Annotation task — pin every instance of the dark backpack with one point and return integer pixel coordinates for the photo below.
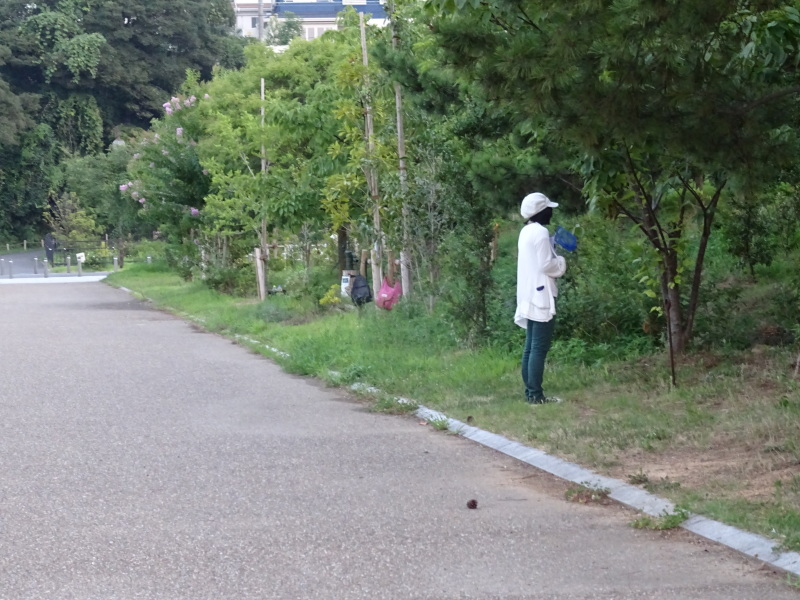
(360, 292)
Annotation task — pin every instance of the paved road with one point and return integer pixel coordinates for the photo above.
(141, 458)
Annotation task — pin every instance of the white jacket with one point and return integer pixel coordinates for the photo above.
(537, 267)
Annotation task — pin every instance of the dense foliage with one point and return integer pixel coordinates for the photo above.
(74, 73)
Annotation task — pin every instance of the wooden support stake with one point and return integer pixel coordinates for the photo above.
(390, 270)
(363, 267)
(376, 273)
(262, 284)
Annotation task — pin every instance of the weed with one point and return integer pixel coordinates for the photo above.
(439, 424)
(793, 580)
(393, 406)
(275, 310)
(584, 493)
(348, 376)
(662, 485)
(639, 478)
(667, 520)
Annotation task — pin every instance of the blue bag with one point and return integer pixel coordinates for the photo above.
(566, 239)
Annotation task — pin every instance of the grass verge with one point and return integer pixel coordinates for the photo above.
(724, 444)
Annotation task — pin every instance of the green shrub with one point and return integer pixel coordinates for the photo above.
(600, 299)
(311, 284)
(276, 309)
(183, 258)
(139, 251)
(235, 280)
(97, 259)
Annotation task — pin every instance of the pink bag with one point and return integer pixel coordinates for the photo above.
(388, 296)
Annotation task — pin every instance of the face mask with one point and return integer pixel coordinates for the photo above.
(543, 217)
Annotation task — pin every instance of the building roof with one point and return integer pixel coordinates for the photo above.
(321, 10)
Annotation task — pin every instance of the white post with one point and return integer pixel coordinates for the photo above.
(69, 263)
(80, 268)
(149, 259)
(11, 269)
(262, 285)
(116, 264)
(2, 266)
(45, 269)
(35, 265)
(263, 149)
(25, 245)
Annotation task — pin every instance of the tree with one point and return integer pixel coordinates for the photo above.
(96, 179)
(28, 177)
(671, 106)
(88, 69)
(130, 55)
(281, 32)
(15, 116)
(69, 221)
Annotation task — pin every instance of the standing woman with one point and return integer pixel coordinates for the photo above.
(537, 268)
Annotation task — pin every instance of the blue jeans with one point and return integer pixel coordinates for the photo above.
(537, 344)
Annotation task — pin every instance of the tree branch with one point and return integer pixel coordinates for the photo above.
(647, 233)
(526, 19)
(770, 98)
(246, 164)
(694, 294)
(569, 183)
(646, 203)
(698, 198)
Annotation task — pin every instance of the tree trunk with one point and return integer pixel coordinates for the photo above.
(341, 248)
(121, 252)
(263, 239)
(671, 295)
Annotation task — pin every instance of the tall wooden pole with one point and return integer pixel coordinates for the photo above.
(405, 271)
(263, 236)
(370, 171)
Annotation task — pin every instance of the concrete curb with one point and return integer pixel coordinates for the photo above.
(54, 279)
(750, 544)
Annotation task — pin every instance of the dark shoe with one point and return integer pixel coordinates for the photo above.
(546, 400)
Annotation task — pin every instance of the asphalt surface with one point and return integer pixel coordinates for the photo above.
(142, 458)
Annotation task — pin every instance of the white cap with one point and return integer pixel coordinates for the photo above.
(535, 203)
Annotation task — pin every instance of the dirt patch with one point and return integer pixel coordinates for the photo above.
(745, 472)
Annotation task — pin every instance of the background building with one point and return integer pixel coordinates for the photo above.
(317, 16)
